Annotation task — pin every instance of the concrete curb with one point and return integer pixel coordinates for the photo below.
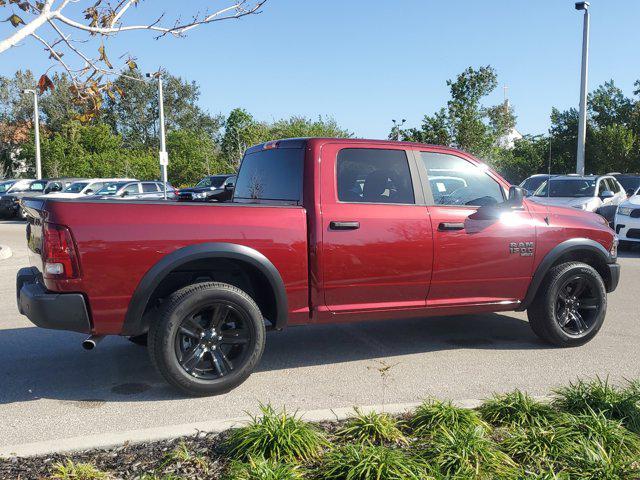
(108, 440)
(5, 252)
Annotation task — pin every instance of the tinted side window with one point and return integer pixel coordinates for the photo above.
(371, 175)
(132, 188)
(613, 185)
(455, 181)
(272, 175)
(149, 188)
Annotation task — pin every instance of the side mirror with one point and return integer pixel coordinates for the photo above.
(607, 194)
(229, 186)
(516, 196)
(125, 193)
(89, 192)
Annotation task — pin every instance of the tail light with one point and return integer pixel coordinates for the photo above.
(59, 253)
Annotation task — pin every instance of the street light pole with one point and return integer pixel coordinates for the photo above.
(582, 121)
(164, 156)
(36, 125)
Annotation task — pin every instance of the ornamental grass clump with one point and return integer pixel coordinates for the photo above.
(371, 428)
(599, 396)
(538, 447)
(371, 462)
(516, 409)
(591, 461)
(432, 415)
(466, 453)
(276, 435)
(70, 470)
(263, 469)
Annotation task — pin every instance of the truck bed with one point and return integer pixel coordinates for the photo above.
(118, 242)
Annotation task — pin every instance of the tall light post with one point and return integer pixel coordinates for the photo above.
(164, 156)
(582, 122)
(36, 125)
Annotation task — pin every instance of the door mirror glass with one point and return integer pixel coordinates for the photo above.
(229, 186)
(88, 192)
(516, 196)
(606, 194)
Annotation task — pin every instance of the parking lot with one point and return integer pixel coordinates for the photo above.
(50, 388)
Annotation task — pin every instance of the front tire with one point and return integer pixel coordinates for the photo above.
(208, 338)
(570, 306)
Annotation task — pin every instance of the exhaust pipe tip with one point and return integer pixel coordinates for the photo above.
(91, 342)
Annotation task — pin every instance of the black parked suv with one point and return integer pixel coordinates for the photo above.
(214, 188)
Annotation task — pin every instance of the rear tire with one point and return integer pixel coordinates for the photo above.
(570, 306)
(208, 339)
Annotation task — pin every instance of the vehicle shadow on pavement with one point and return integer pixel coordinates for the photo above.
(37, 363)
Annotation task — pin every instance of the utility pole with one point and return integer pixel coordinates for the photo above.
(164, 156)
(36, 125)
(582, 122)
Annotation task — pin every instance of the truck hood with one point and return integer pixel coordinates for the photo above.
(585, 203)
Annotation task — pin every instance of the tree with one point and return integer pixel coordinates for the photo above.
(464, 122)
(73, 44)
(193, 155)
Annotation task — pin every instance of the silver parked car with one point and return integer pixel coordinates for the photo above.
(596, 193)
(150, 190)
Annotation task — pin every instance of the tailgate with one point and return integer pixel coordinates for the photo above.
(35, 213)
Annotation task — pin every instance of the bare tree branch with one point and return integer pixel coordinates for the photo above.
(103, 20)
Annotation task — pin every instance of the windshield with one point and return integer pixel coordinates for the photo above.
(26, 186)
(216, 181)
(630, 184)
(76, 187)
(111, 188)
(4, 186)
(531, 184)
(573, 188)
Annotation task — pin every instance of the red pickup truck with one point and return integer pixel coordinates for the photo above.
(318, 231)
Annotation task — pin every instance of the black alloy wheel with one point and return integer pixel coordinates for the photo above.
(212, 341)
(578, 305)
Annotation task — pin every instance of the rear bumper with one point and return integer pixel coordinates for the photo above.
(614, 276)
(45, 309)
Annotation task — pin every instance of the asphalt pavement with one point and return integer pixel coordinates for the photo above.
(50, 388)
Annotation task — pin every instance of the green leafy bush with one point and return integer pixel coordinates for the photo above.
(434, 414)
(596, 428)
(70, 470)
(538, 446)
(592, 462)
(516, 409)
(467, 453)
(276, 435)
(599, 396)
(371, 462)
(261, 469)
(372, 428)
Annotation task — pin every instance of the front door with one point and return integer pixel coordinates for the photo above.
(476, 260)
(377, 248)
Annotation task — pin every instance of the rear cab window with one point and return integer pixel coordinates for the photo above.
(271, 176)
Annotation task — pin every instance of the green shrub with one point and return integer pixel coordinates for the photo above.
(372, 428)
(467, 453)
(261, 469)
(181, 454)
(600, 396)
(76, 471)
(596, 428)
(434, 414)
(591, 461)
(276, 435)
(371, 462)
(516, 409)
(539, 446)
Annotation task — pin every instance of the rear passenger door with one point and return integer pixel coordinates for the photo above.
(476, 261)
(377, 251)
(150, 191)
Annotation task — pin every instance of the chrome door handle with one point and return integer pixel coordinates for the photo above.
(447, 226)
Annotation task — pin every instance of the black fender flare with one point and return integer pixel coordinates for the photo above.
(135, 324)
(568, 246)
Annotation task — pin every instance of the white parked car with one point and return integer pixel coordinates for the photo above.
(89, 186)
(628, 219)
(595, 193)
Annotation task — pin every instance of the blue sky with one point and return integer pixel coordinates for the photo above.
(367, 62)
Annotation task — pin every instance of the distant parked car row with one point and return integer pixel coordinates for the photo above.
(212, 188)
(615, 196)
